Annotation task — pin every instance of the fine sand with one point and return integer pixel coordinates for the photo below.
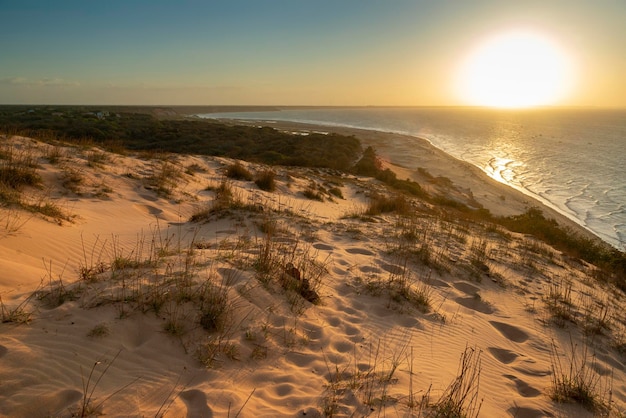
(116, 303)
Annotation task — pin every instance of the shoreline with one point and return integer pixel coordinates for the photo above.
(405, 154)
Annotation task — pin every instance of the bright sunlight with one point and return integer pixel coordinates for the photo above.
(515, 69)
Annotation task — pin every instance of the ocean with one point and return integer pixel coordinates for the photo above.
(572, 159)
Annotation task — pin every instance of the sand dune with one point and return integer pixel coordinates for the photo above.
(122, 306)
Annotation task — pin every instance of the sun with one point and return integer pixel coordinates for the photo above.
(514, 69)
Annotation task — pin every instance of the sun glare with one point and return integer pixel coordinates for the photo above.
(515, 69)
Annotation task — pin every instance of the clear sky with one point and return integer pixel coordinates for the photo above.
(297, 52)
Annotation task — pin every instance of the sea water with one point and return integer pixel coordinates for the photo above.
(572, 159)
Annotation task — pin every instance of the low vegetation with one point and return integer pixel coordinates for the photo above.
(237, 171)
(266, 180)
(202, 293)
(142, 131)
(576, 381)
(370, 165)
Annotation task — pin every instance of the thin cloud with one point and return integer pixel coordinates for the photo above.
(42, 82)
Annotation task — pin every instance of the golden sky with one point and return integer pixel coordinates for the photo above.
(321, 52)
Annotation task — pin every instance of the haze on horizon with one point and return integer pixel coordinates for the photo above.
(327, 53)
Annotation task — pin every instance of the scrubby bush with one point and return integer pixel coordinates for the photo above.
(237, 171)
(533, 222)
(386, 204)
(138, 129)
(266, 180)
(371, 165)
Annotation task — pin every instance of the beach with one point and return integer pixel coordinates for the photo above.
(531, 150)
(405, 155)
(118, 303)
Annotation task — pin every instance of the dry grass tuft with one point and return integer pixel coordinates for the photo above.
(577, 381)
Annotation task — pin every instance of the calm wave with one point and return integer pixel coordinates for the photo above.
(572, 159)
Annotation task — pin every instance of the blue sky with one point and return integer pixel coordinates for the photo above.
(287, 52)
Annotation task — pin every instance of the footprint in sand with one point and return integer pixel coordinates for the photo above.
(339, 271)
(615, 364)
(62, 399)
(503, 355)
(3, 351)
(149, 197)
(467, 288)
(323, 247)
(527, 412)
(369, 269)
(334, 321)
(511, 332)
(476, 304)
(343, 346)
(196, 404)
(523, 388)
(409, 322)
(393, 269)
(361, 251)
(532, 371)
(148, 209)
(351, 331)
(299, 359)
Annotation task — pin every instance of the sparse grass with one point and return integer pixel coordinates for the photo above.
(11, 221)
(208, 353)
(259, 352)
(558, 300)
(313, 194)
(56, 293)
(49, 208)
(379, 204)
(18, 171)
(576, 381)
(266, 180)
(88, 406)
(237, 171)
(99, 331)
(227, 200)
(18, 168)
(610, 261)
(165, 178)
(16, 315)
(402, 287)
(215, 307)
(55, 154)
(461, 398)
(72, 179)
(294, 267)
(96, 158)
(597, 314)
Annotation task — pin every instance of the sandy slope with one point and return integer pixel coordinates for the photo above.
(369, 348)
